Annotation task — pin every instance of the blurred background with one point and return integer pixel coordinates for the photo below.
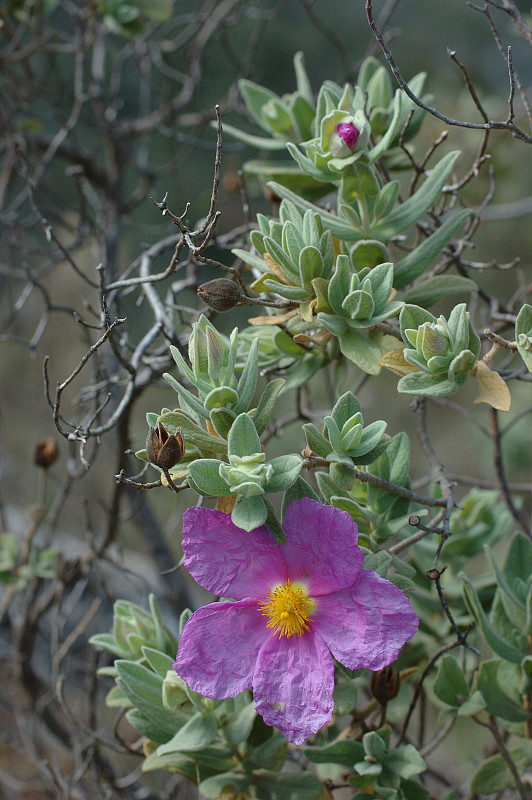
(106, 107)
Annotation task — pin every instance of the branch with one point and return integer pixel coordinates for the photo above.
(508, 124)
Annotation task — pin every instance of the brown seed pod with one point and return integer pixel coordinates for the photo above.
(219, 294)
(45, 453)
(163, 449)
(385, 685)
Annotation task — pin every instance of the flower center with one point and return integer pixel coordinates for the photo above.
(288, 608)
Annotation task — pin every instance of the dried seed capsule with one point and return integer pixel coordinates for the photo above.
(220, 294)
(163, 449)
(45, 453)
(385, 685)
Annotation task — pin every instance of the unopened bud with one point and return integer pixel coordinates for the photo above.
(220, 294)
(385, 685)
(163, 449)
(349, 133)
(45, 453)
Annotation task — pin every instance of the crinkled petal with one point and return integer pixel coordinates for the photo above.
(366, 625)
(219, 646)
(321, 546)
(227, 560)
(293, 685)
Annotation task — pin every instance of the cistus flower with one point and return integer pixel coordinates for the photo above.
(298, 605)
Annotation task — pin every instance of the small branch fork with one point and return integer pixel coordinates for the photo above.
(487, 125)
(205, 232)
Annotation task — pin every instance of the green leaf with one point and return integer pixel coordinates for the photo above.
(200, 766)
(286, 469)
(386, 200)
(380, 148)
(230, 781)
(413, 209)
(494, 775)
(205, 479)
(186, 396)
(473, 705)
(379, 562)
(497, 702)
(220, 397)
(450, 685)
(116, 698)
(239, 725)
(327, 487)
(418, 260)
(192, 433)
(282, 259)
(144, 689)
(368, 253)
(316, 440)
(405, 761)
(269, 754)
(343, 752)
(255, 97)
(342, 474)
(259, 142)
(361, 351)
(495, 641)
(273, 524)
(140, 681)
(523, 332)
(427, 292)
(371, 436)
(159, 662)
(299, 489)
(261, 415)
(248, 380)
(303, 84)
(342, 229)
(249, 512)
(437, 385)
(243, 439)
(198, 733)
(287, 786)
(514, 606)
(310, 266)
(147, 726)
(108, 642)
(413, 790)
(222, 420)
(518, 562)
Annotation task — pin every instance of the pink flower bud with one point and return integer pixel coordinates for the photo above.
(349, 133)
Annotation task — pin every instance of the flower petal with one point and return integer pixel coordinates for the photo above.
(321, 546)
(293, 685)
(227, 560)
(366, 625)
(219, 646)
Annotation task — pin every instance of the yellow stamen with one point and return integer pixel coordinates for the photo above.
(288, 607)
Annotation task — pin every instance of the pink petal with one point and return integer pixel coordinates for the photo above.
(227, 560)
(293, 685)
(321, 546)
(366, 625)
(219, 647)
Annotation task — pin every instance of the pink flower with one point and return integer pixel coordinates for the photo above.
(298, 605)
(349, 133)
